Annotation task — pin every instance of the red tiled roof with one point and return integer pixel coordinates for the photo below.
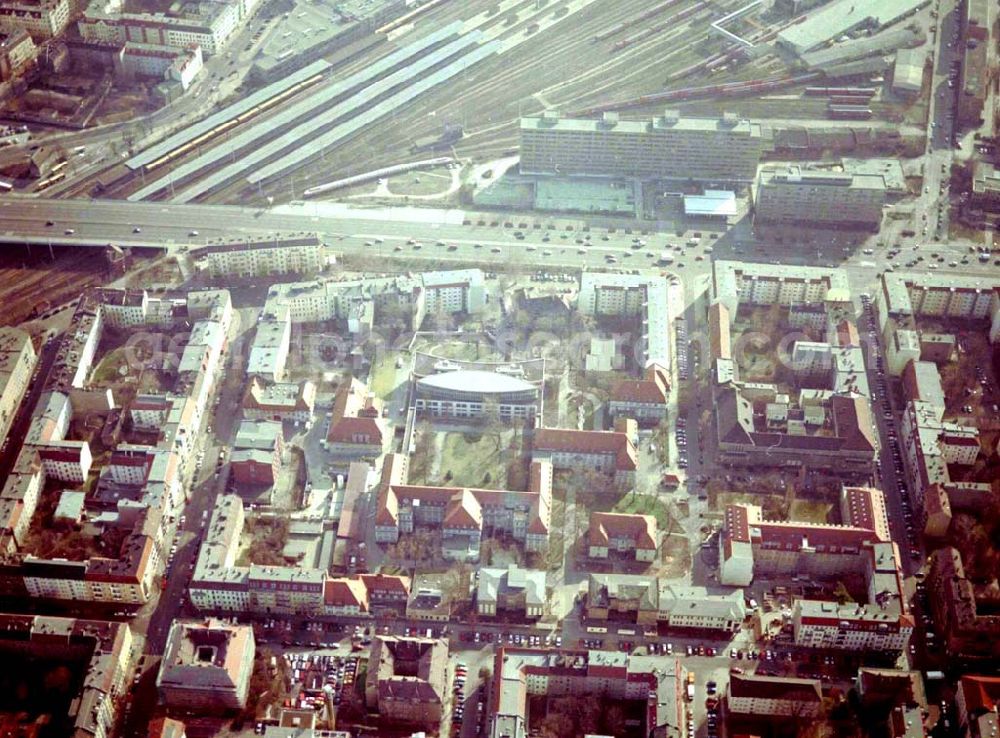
(606, 526)
(792, 535)
(866, 509)
(982, 693)
(589, 442)
(847, 334)
(463, 512)
(853, 422)
(355, 414)
(720, 342)
(345, 593)
(737, 524)
(388, 583)
(651, 390)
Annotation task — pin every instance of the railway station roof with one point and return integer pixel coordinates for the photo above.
(229, 112)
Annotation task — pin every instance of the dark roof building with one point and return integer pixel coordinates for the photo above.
(407, 679)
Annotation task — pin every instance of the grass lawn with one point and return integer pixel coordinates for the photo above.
(810, 511)
(675, 557)
(470, 458)
(108, 373)
(385, 378)
(108, 370)
(645, 505)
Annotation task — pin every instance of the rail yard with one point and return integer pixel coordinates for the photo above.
(584, 57)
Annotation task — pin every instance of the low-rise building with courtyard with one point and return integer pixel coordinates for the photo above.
(206, 666)
(406, 681)
(513, 591)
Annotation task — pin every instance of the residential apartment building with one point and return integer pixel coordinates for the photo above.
(748, 542)
(969, 630)
(219, 585)
(645, 400)
(606, 676)
(861, 545)
(513, 590)
(407, 680)
(622, 533)
(17, 362)
(646, 600)
(609, 452)
(67, 461)
(771, 696)
(461, 513)
(671, 146)
(361, 300)
(19, 499)
(151, 61)
(270, 346)
(279, 401)
(43, 19)
(206, 666)
(792, 195)
(881, 624)
(127, 579)
(978, 703)
(149, 412)
(626, 295)
(211, 31)
(17, 54)
(903, 296)
(263, 257)
(930, 445)
(738, 283)
(459, 291)
(105, 647)
(138, 485)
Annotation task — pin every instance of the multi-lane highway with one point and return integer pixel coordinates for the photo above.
(438, 237)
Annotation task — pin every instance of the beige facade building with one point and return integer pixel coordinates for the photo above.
(43, 19)
(278, 255)
(17, 362)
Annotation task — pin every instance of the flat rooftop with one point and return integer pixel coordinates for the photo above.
(842, 16)
(625, 127)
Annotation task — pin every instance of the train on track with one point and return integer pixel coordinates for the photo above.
(253, 112)
(726, 89)
(862, 92)
(849, 112)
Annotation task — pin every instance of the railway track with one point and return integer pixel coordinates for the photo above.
(564, 70)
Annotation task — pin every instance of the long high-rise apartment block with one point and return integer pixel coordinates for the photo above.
(670, 146)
